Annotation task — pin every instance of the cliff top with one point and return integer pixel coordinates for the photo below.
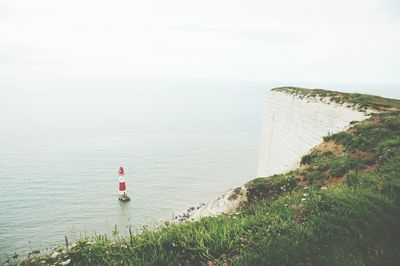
(361, 102)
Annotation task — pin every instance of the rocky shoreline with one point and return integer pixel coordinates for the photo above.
(226, 203)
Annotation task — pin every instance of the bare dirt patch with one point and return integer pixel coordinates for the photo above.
(361, 154)
(370, 168)
(376, 118)
(330, 146)
(332, 181)
(302, 182)
(351, 130)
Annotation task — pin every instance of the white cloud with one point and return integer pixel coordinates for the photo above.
(342, 41)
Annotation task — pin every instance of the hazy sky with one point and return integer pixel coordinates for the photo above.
(321, 40)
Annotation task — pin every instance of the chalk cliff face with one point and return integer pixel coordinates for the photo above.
(293, 124)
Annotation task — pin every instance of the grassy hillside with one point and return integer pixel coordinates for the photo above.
(341, 207)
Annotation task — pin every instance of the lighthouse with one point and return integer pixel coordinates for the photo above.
(123, 196)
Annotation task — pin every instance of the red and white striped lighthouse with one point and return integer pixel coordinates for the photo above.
(123, 196)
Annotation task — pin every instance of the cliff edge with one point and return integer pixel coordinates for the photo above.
(294, 121)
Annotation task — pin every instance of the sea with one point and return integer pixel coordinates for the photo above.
(181, 142)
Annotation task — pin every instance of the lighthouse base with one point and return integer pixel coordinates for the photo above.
(124, 197)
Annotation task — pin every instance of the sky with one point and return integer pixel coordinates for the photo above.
(341, 41)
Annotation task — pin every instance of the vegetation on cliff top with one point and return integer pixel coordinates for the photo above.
(359, 101)
(341, 207)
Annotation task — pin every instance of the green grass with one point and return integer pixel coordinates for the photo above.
(284, 222)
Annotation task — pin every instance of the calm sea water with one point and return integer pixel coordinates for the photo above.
(61, 150)
(61, 144)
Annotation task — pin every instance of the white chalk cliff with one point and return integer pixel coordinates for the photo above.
(291, 126)
(294, 124)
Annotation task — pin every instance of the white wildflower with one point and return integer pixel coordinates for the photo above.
(68, 261)
(55, 254)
